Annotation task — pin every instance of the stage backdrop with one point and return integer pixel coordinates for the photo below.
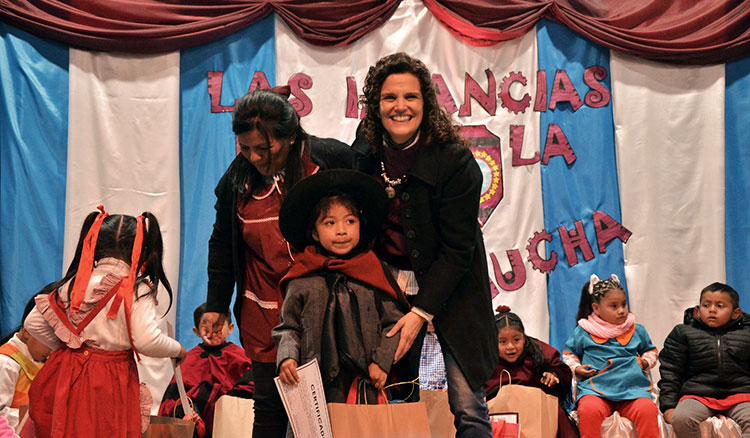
(593, 162)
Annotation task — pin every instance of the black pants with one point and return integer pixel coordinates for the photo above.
(270, 416)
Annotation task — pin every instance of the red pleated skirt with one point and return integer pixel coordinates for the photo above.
(86, 393)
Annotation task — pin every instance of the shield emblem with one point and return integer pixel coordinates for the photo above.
(486, 149)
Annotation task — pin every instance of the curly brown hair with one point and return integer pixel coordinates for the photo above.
(436, 124)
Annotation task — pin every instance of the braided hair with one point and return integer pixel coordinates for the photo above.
(505, 318)
(593, 291)
(116, 238)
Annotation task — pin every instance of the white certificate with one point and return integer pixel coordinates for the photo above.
(305, 403)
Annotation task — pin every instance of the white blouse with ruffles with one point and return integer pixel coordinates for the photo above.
(103, 333)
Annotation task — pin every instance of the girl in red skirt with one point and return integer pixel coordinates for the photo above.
(97, 317)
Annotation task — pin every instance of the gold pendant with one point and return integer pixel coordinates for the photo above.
(390, 192)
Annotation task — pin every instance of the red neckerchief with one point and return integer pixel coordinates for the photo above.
(364, 267)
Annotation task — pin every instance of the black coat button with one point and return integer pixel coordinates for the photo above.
(407, 213)
(414, 254)
(410, 234)
(405, 196)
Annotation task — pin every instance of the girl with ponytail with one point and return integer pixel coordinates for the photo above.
(98, 318)
(530, 362)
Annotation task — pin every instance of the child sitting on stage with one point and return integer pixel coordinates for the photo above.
(213, 368)
(21, 357)
(530, 362)
(610, 354)
(339, 302)
(705, 364)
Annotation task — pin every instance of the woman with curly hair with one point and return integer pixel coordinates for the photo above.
(431, 239)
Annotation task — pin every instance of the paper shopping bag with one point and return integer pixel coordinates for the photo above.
(438, 413)
(169, 427)
(379, 421)
(232, 414)
(537, 410)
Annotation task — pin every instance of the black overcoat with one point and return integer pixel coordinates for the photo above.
(438, 212)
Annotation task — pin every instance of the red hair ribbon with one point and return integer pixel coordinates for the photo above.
(86, 264)
(127, 288)
(283, 90)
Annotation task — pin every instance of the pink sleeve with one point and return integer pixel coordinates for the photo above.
(5, 430)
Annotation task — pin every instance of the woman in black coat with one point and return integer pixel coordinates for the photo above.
(432, 239)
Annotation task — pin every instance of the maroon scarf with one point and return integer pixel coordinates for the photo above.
(364, 267)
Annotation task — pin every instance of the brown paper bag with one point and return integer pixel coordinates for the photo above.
(379, 421)
(169, 427)
(438, 413)
(537, 410)
(231, 415)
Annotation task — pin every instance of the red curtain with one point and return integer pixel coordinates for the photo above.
(679, 31)
(155, 26)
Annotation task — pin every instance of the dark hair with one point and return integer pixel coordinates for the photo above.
(602, 288)
(530, 347)
(324, 205)
(436, 123)
(200, 310)
(734, 297)
(271, 115)
(116, 238)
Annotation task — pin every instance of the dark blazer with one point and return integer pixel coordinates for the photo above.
(704, 361)
(225, 255)
(439, 210)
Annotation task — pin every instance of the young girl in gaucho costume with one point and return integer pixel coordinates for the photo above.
(339, 302)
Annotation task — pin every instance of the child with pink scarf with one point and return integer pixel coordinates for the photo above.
(610, 354)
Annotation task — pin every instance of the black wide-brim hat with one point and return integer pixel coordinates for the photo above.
(296, 210)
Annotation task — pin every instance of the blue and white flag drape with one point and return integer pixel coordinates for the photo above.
(594, 162)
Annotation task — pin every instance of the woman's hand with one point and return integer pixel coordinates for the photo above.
(288, 372)
(409, 325)
(585, 371)
(209, 324)
(549, 379)
(377, 376)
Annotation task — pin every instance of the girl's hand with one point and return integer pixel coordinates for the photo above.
(642, 363)
(585, 371)
(668, 415)
(180, 356)
(409, 325)
(549, 379)
(377, 376)
(288, 372)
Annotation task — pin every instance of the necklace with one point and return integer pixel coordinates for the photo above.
(390, 190)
